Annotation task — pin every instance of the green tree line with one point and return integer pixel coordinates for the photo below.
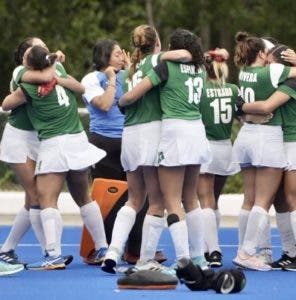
(73, 26)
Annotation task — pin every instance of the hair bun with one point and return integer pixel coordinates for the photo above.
(241, 36)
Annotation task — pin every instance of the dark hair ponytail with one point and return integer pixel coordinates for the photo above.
(40, 58)
(184, 39)
(247, 49)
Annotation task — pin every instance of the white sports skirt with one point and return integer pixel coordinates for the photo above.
(183, 142)
(67, 152)
(290, 150)
(260, 146)
(222, 159)
(17, 145)
(139, 145)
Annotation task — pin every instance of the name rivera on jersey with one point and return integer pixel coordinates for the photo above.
(249, 77)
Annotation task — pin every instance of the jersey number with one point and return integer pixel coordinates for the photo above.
(222, 110)
(63, 99)
(247, 94)
(194, 89)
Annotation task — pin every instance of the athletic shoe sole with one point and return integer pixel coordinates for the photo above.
(215, 264)
(48, 268)
(109, 266)
(148, 287)
(247, 267)
(3, 273)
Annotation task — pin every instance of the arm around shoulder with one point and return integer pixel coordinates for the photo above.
(14, 100)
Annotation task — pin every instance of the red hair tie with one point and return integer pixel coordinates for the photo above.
(217, 58)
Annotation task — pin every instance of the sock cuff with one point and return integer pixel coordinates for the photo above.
(88, 206)
(244, 212)
(208, 211)
(34, 211)
(194, 212)
(127, 210)
(49, 210)
(160, 221)
(259, 209)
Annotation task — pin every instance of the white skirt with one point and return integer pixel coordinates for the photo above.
(67, 152)
(260, 146)
(139, 145)
(17, 145)
(222, 159)
(290, 150)
(183, 142)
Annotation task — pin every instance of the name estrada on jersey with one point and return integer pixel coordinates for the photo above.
(219, 92)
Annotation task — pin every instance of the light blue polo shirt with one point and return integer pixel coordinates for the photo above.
(110, 123)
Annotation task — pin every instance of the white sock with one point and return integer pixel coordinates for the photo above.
(286, 233)
(195, 226)
(210, 230)
(265, 239)
(21, 225)
(52, 227)
(218, 218)
(257, 222)
(152, 229)
(36, 223)
(179, 234)
(92, 219)
(293, 222)
(242, 225)
(123, 224)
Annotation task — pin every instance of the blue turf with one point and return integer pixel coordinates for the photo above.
(80, 281)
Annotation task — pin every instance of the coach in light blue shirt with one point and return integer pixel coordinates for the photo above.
(102, 92)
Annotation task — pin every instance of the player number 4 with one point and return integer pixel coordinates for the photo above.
(63, 99)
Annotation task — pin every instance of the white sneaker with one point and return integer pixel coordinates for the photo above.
(153, 265)
(111, 259)
(7, 269)
(251, 262)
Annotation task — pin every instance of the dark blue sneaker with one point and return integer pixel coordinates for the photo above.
(96, 257)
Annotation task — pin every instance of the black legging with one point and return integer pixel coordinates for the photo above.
(110, 168)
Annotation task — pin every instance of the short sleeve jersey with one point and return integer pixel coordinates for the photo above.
(288, 110)
(258, 83)
(146, 109)
(106, 123)
(18, 117)
(181, 87)
(217, 107)
(55, 114)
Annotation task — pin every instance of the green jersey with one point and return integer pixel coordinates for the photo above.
(55, 114)
(181, 86)
(18, 117)
(288, 110)
(217, 107)
(258, 83)
(146, 109)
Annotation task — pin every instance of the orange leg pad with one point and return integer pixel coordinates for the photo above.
(106, 192)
